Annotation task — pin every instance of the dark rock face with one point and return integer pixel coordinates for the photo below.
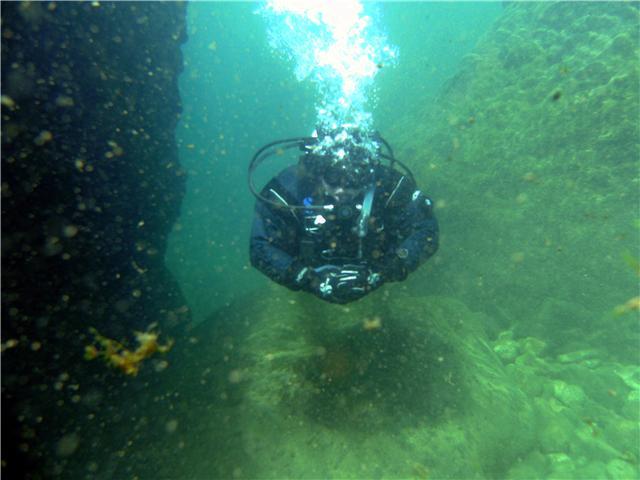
(91, 186)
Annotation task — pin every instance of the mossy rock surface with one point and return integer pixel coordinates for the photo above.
(420, 391)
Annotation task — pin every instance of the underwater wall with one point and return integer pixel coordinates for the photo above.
(531, 153)
(91, 186)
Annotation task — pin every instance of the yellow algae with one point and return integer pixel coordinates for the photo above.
(118, 356)
(372, 323)
(629, 306)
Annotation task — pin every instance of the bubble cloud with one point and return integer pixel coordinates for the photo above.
(340, 49)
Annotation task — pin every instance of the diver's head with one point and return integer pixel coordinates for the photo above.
(343, 158)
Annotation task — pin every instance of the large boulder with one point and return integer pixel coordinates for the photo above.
(415, 375)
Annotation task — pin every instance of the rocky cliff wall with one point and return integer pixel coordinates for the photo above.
(531, 153)
(91, 186)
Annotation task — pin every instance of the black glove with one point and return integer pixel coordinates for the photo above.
(340, 284)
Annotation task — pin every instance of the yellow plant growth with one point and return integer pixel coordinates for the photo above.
(631, 305)
(120, 357)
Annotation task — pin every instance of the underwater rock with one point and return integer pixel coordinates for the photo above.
(555, 433)
(631, 408)
(578, 356)
(618, 468)
(630, 374)
(523, 350)
(581, 148)
(533, 345)
(91, 186)
(570, 395)
(428, 373)
(506, 348)
(561, 465)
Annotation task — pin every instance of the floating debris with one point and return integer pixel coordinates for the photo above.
(43, 137)
(120, 357)
(11, 343)
(64, 101)
(67, 445)
(116, 150)
(7, 101)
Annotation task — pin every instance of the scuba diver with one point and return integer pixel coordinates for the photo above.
(339, 223)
